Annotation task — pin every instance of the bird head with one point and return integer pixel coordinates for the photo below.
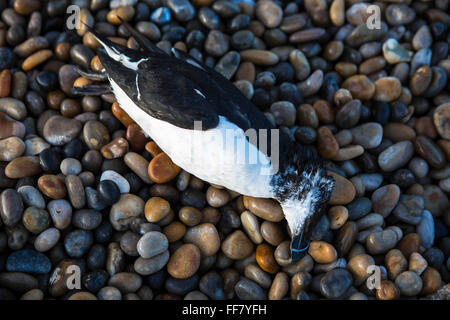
(303, 189)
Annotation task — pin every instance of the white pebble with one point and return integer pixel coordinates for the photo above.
(119, 180)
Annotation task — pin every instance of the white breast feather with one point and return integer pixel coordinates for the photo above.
(201, 154)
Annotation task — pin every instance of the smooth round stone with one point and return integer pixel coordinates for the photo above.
(125, 210)
(109, 293)
(237, 246)
(322, 252)
(10, 127)
(269, 13)
(279, 287)
(216, 43)
(174, 231)
(126, 282)
(33, 295)
(410, 209)
(431, 152)
(70, 166)
(337, 215)
(368, 135)
(35, 145)
(440, 119)
(259, 57)
(409, 283)
(344, 191)
(139, 165)
(47, 240)
(255, 273)
(32, 197)
(360, 87)
(50, 160)
(417, 263)
(211, 284)
(195, 295)
(156, 209)
(358, 266)
(60, 212)
(108, 192)
(419, 167)
(205, 237)
(190, 216)
(265, 258)
(52, 186)
(250, 224)
(78, 242)
(86, 219)
(387, 291)
(395, 263)
(152, 265)
(387, 89)
(349, 114)
(75, 189)
(425, 229)
(151, 244)
(128, 243)
(11, 207)
(95, 134)
(181, 286)
(115, 149)
(22, 167)
(431, 279)
(184, 262)
(435, 200)
(396, 156)
(246, 289)
(408, 244)
(380, 242)
(28, 261)
(398, 132)
(119, 180)
(35, 220)
(11, 148)
(272, 233)
(334, 283)
(217, 197)
(60, 130)
(349, 152)
(327, 145)
(385, 199)
(95, 280)
(266, 209)
(17, 281)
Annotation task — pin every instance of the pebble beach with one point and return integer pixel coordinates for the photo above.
(83, 191)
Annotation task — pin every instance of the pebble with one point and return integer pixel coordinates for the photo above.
(410, 209)
(360, 87)
(60, 130)
(35, 220)
(368, 135)
(269, 13)
(125, 210)
(47, 240)
(117, 148)
(251, 226)
(95, 134)
(327, 145)
(52, 186)
(22, 167)
(417, 263)
(394, 52)
(387, 89)
(431, 280)
(396, 156)
(439, 119)
(359, 267)
(152, 265)
(184, 262)
(266, 209)
(259, 57)
(237, 246)
(11, 207)
(409, 244)
(60, 212)
(265, 258)
(119, 180)
(28, 261)
(151, 244)
(249, 290)
(344, 191)
(205, 237)
(387, 291)
(31, 196)
(322, 252)
(385, 199)
(139, 165)
(409, 283)
(334, 283)
(425, 229)
(381, 242)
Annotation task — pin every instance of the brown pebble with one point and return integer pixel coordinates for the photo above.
(115, 149)
(22, 167)
(136, 137)
(279, 287)
(408, 244)
(326, 143)
(360, 87)
(267, 209)
(156, 209)
(265, 258)
(432, 281)
(5, 83)
(36, 59)
(120, 114)
(52, 186)
(161, 169)
(344, 191)
(237, 246)
(387, 291)
(322, 252)
(184, 262)
(174, 231)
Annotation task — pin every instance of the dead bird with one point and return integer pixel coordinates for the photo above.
(188, 108)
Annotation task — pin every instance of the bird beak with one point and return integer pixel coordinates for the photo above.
(299, 246)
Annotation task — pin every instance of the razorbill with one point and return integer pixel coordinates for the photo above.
(210, 129)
